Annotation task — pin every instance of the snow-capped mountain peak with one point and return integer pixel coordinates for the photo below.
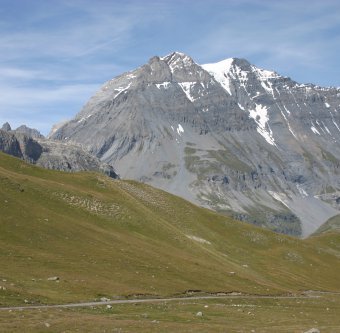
(178, 61)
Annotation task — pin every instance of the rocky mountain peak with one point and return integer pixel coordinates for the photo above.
(178, 60)
(30, 132)
(157, 71)
(6, 127)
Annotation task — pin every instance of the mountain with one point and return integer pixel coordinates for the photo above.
(229, 136)
(104, 237)
(49, 154)
(31, 132)
(6, 127)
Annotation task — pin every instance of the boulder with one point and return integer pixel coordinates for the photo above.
(53, 278)
(313, 330)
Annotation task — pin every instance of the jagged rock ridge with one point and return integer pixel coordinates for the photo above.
(48, 153)
(229, 136)
(31, 132)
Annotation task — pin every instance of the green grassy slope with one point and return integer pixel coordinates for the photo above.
(327, 238)
(114, 238)
(333, 224)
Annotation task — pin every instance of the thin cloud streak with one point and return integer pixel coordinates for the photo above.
(31, 96)
(38, 108)
(96, 29)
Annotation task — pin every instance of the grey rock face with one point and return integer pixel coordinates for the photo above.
(69, 157)
(9, 144)
(228, 136)
(30, 149)
(31, 132)
(6, 127)
(52, 155)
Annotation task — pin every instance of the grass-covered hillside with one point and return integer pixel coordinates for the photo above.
(332, 225)
(113, 238)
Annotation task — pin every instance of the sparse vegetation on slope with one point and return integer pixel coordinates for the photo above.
(236, 314)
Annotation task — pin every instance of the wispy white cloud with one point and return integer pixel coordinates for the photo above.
(12, 73)
(282, 34)
(84, 28)
(30, 96)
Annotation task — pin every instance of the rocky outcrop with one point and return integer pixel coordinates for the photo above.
(70, 157)
(6, 127)
(23, 130)
(30, 148)
(51, 155)
(228, 136)
(9, 144)
(30, 132)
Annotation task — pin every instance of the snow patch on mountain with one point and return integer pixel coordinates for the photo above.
(177, 61)
(315, 131)
(186, 87)
(301, 190)
(240, 106)
(121, 90)
(264, 74)
(336, 125)
(219, 71)
(164, 85)
(289, 127)
(261, 118)
(242, 76)
(180, 129)
(84, 118)
(281, 197)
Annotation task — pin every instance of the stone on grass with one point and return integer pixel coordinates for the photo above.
(313, 330)
(53, 278)
(104, 299)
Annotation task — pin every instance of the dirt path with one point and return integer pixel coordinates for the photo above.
(147, 300)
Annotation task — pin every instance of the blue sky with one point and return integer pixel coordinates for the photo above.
(54, 54)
